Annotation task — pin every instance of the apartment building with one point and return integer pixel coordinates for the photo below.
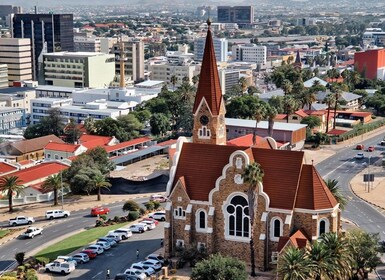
(11, 118)
(134, 58)
(220, 48)
(18, 98)
(3, 75)
(228, 78)
(373, 37)
(85, 43)
(79, 69)
(242, 15)
(250, 53)
(16, 53)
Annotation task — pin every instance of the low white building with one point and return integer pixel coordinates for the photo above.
(250, 53)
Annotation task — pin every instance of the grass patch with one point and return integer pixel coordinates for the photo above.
(75, 242)
(4, 232)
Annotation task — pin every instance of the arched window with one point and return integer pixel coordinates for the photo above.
(323, 226)
(237, 218)
(276, 229)
(201, 221)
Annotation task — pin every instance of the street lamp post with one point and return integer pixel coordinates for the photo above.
(369, 174)
(61, 183)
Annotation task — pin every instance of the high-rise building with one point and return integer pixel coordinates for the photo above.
(6, 10)
(134, 58)
(220, 47)
(16, 53)
(250, 53)
(3, 76)
(228, 79)
(370, 63)
(48, 33)
(79, 69)
(241, 15)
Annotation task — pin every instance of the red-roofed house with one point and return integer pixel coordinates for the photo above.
(208, 204)
(60, 151)
(93, 141)
(6, 168)
(128, 146)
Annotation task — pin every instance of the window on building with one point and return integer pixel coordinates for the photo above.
(201, 219)
(276, 229)
(179, 213)
(238, 220)
(179, 243)
(323, 226)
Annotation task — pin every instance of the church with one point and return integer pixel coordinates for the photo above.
(208, 202)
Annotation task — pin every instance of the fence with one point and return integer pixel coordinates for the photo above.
(361, 129)
(30, 199)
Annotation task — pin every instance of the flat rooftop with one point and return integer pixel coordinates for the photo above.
(264, 124)
(77, 54)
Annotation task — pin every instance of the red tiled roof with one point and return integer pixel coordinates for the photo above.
(280, 117)
(40, 171)
(209, 86)
(361, 114)
(313, 194)
(301, 113)
(36, 144)
(316, 112)
(25, 162)
(247, 140)
(38, 187)
(93, 141)
(200, 175)
(167, 143)
(6, 168)
(70, 148)
(127, 144)
(336, 132)
(297, 239)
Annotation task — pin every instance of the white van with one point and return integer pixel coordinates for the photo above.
(53, 214)
(123, 232)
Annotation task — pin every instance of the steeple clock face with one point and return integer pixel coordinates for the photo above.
(204, 120)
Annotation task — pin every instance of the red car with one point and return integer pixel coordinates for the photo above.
(360, 147)
(91, 254)
(371, 149)
(152, 220)
(99, 211)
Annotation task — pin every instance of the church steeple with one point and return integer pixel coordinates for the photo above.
(297, 63)
(209, 109)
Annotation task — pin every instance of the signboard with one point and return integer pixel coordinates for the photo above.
(368, 177)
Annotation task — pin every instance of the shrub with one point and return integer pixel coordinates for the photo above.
(42, 260)
(131, 206)
(19, 257)
(99, 223)
(31, 275)
(116, 219)
(156, 205)
(103, 217)
(6, 277)
(133, 215)
(142, 212)
(149, 205)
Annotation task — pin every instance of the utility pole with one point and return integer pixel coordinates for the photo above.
(61, 182)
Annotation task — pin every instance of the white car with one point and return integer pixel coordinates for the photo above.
(31, 232)
(359, 156)
(144, 225)
(114, 236)
(156, 257)
(143, 268)
(110, 241)
(137, 228)
(123, 232)
(136, 273)
(60, 267)
(67, 259)
(153, 263)
(81, 258)
(150, 224)
(105, 245)
(53, 214)
(96, 248)
(160, 216)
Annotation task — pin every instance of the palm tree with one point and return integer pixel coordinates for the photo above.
(53, 183)
(271, 113)
(252, 175)
(99, 181)
(308, 97)
(260, 114)
(337, 96)
(290, 104)
(287, 86)
(173, 81)
(335, 189)
(320, 259)
(11, 184)
(294, 264)
(243, 83)
(329, 99)
(186, 92)
(195, 79)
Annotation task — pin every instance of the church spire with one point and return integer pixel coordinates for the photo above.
(297, 63)
(209, 86)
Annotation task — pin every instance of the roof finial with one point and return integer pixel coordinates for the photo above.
(208, 22)
(312, 162)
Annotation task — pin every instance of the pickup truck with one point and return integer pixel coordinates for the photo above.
(31, 232)
(21, 220)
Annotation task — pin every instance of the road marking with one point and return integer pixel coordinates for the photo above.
(70, 225)
(26, 243)
(370, 221)
(378, 226)
(97, 274)
(14, 249)
(2, 257)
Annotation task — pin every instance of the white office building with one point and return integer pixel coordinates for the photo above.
(3, 75)
(84, 43)
(250, 53)
(220, 48)
(228, 78)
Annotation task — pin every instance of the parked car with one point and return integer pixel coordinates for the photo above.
(150, 224)
(91, 253)
(151, 220)
(158, 197)
(137, 228)
(114, 236)
(21, 220)
(135, 272)
(145, 269)
(160, 216)
(122, 276)
(156, 257)
(68, 259)
(52, 214)
(110, 241)
(97, 248)
(81, 258)
(144, 225)
(359, 156)
(153, 263)
(99, 211)
(123, 232)
(105, 245)
(360, 147)
(60, 267)
(382, 143)
(371, 149)
(31, 232)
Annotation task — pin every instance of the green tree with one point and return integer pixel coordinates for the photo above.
(335, 189)
(219, 267)
(143, 115)
(98, 182)
(259, 114)
(243, 83)
(195, 80)
(173, 81)
(287, 86)
(53, 183)
(11, 185)
(290, 105)
(311, 122)
(329, 100)
(320, 260)
(242, 107)
(131, 205)
(160, 124)
(253, 176)
(294, 264)
(51, 124)
(271, 114)
(71, 132)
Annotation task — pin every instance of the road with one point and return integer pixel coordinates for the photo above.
(343, 167)
(77, 221)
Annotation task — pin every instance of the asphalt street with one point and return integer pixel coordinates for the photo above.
(343, 167)
(77, 221)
